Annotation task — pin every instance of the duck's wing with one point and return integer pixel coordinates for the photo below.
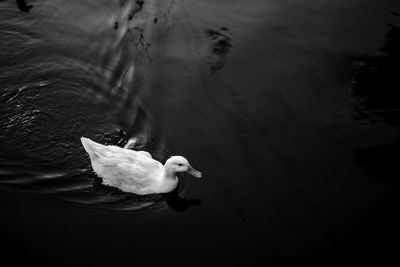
(136, 159)
(96, 150)
(124, 168)
(130, 175)
(145, 153)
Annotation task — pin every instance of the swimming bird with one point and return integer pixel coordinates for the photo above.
(135, 171)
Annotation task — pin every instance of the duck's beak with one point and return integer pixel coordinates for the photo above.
(194, 172)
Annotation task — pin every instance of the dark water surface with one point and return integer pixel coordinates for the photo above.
(289, 108)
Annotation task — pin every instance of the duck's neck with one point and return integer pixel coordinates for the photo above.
(169, 173)
(170, 181)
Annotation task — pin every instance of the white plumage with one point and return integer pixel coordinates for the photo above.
(135, 171)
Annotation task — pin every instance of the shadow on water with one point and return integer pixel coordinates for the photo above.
(23, 6)
(220, 46)
(375, 88)
(115, 200)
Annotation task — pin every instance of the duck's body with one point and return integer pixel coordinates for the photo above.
(132, 171)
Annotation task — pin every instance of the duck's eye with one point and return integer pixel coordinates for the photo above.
(180, 164)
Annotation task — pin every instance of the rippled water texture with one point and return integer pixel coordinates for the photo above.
(68, 72)
(288, 108)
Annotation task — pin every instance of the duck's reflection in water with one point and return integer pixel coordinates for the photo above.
(117, 200)
(176, 203)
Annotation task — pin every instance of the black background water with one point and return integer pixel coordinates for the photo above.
(288, 108)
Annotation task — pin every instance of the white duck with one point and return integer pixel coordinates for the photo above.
(135, 171)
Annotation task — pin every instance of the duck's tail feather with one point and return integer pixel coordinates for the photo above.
(90, 147)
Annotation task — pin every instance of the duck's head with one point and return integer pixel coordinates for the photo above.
(180, 164)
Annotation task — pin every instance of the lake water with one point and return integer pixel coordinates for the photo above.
(288, 108)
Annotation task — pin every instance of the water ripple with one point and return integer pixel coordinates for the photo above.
(72, 69)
